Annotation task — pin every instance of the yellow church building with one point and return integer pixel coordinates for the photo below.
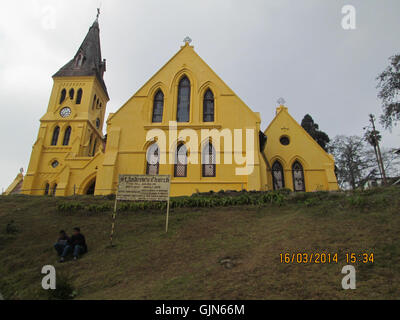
(184, 122)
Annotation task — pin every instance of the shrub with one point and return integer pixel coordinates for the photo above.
(64, 289)
(357, 201)
(11, 228)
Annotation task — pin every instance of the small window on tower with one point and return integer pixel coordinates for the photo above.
(94, 101)
(79, 61)
(98, 123)
(63, 95)
(71, 94)
(79, 96)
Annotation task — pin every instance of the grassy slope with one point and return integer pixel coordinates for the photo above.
(184, 264)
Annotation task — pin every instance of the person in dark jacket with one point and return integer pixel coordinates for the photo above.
(62, 242)
(76, 244)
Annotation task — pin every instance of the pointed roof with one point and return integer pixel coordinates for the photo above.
(87, 60)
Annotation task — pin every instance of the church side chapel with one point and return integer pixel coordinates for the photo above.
(72, 156)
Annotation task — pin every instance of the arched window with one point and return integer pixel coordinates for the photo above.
(94, 147)
(46, 189)
(63, 95)
(278, 176)
(209, 160)
(298, 177)
(183, 110)
(56, 133)
(71, 94)
(208, 107)
(94, 101)
(79, 61)
(180, 167)
(97, 103)
(67, 135)
(90, 145)
(153, 159)
(79, 96)
(158, 107)
(54, 189)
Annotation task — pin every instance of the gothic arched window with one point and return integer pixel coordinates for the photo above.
(56, 133)
(158, 106)
(71, 94)
(79, 61)
(278, 176)
(208, 107)
(209, 160)
(298, 177)
(90, 145)
(94, 147)
(54, 189)
(183, 110)
(94, 101)
(79, 96)
(63, 95)
(153, 159)
(67, 135)
(180, 167)
(46, 189)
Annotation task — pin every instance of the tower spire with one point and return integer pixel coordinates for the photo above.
(87, 60)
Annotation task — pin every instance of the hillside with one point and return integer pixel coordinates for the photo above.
(229, 252)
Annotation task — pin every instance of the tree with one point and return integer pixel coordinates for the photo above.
(389, 92)
(373, 137)
(313, 130)
(353, 162)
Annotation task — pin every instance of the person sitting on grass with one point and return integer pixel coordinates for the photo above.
(76, 244)
(61, 243)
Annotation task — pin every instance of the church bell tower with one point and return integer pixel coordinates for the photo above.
(71, 130)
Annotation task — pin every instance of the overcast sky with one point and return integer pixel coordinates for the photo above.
(263, 49)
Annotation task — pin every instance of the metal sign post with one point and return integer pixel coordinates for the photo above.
(114, 218)
(142, 188)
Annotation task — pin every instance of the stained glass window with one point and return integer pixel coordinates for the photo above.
(209, 160)
(298, 177)
(67, 136)
(158, 107)
(153, 159)
(180, 169)
(278, 176)
(183, 110)
(208, 106)
(56, 133)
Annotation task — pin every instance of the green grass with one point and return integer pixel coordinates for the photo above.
(147, 263)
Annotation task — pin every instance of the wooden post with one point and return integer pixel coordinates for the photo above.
(169, 194)
(166, 223)
(114, 218)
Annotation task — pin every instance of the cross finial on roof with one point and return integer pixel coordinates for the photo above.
(187, 40)
(98, 13)
(281, 101)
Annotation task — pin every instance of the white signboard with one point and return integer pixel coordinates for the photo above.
(143, 188)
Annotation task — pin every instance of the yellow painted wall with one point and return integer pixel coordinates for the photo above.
(317, 164)
(126, 148)
(76, 164)
(127, 129)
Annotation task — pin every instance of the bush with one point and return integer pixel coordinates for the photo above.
(11, 228)
(64, 289)
(357, 201)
